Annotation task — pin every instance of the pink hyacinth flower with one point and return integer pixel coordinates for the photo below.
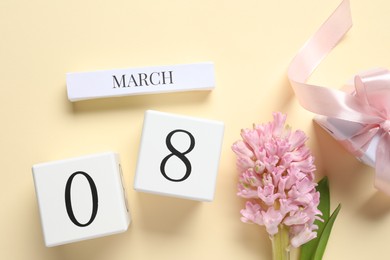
(277, 177)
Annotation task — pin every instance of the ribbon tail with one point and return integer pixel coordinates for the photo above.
(321, 43)
(321, 100)
(382, 167)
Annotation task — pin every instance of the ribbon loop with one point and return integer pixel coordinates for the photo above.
(373, 88)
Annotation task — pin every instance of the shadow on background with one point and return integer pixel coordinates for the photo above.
(376, 207)
(255, 238)
(96, 248)
(139, 101)
(164, 214)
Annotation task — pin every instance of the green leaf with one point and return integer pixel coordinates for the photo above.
(324, 206)
(325, 235)
(308, 249)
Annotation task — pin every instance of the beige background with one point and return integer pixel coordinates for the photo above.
(251, 44)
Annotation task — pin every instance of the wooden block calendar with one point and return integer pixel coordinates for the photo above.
(81, 198)
(179, 156)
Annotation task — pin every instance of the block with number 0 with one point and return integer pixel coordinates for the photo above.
(81, 198)
(179, 156)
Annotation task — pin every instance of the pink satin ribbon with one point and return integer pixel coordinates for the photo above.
(369, 105)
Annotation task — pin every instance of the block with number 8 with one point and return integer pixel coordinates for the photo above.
(81, 198)
(179, 156)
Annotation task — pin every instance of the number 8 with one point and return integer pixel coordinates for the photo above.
(178, 154)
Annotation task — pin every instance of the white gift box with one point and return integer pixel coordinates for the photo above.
(343, 130)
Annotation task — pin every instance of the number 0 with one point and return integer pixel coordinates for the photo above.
(68, 202)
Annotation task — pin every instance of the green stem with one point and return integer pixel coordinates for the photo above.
(280, 244)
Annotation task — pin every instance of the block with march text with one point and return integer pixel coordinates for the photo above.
(140, 81)
(179, 156)
(81, 198)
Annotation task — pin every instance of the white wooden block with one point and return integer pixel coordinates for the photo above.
(179, 156)
(81, 198)
(136, 81)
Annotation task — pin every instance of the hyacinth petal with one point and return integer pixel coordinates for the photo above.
(244, 164)
(303, 237)
(252, 214)
(267, 195)
(282, 186)
(277, 176)
(287, 205)
(251, 138)
(241, 149)
(278, 125)
(297, 139)
(299, 218)
(249, 176)
(247, 194)
(272, 218)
